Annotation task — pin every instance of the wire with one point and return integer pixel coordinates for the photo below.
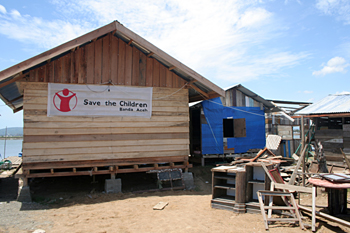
(97, 91)
(217, 144)
(171, 93)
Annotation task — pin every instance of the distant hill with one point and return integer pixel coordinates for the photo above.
(12, 132)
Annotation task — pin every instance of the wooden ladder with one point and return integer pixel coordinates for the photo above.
(284, 195)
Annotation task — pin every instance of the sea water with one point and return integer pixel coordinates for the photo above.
(13, 147)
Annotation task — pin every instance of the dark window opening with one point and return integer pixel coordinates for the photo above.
(234, 128)
(329, 123)
(347, 120)
(228, 128)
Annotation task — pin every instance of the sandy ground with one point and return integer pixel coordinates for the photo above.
(77, 205)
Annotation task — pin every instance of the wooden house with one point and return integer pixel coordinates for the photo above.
(107, 68)
(331, 117)
(229, 125)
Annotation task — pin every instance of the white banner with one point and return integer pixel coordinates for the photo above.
(98, 100)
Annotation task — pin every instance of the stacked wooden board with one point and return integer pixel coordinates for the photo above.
(162, 138)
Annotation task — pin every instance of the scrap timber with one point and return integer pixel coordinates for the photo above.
(16, 163)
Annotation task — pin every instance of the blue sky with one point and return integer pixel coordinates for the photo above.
(296, 50)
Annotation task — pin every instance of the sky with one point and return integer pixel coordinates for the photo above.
(296, 50)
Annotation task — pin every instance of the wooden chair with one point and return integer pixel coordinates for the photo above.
(284, 192)
(293, 207)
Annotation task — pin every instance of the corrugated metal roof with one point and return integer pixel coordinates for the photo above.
(330, 104)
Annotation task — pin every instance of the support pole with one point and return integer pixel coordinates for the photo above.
(302, 146)
(5, 143)
(240, 192)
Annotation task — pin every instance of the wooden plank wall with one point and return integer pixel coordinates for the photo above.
(108, 59)
(48, 139)
(236, 98)
(346, 138)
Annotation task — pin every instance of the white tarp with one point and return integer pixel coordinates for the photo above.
(98, 100)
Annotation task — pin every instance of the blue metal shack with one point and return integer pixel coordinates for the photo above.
(229, 125)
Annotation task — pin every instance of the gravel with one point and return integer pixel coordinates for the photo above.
(16, 216)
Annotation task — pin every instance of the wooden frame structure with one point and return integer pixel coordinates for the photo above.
(110, 55)
(287, 189)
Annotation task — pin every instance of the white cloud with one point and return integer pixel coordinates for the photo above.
(308, 92)
(2, 9)
(32, 30)
(334, 65)
(339, 8)
(15, 14)
(253, 18)
(217, 38)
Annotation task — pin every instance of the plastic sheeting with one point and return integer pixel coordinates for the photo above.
(212, 131)
(255, 128)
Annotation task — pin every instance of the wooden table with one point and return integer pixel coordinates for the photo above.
(337, 195)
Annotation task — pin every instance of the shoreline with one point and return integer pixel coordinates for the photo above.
(11, 138)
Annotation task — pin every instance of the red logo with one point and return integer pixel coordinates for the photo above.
(65, 100)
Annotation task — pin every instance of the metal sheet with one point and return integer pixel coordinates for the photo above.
(329, 104)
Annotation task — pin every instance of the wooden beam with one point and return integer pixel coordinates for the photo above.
(294, 174)
(172, 67)
(200, 91)
(292, 188)
(327, 216)
(168, 58)
(150, 54)
(113, 32)
(14, 79)
(18, 109)
(130, 41)
(56, 51)
(200, 97)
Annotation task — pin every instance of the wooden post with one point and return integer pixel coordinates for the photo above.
(313, 208)
(240, 192)
(302, 146)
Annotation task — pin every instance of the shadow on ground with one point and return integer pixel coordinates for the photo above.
(56, 192)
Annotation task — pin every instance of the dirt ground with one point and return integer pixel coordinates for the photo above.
(77, 204)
